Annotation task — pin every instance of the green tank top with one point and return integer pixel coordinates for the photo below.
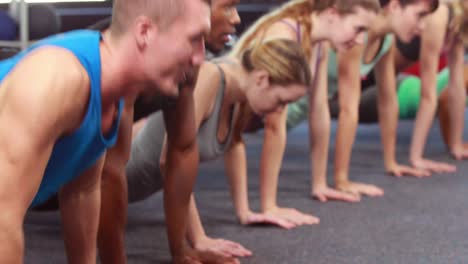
(364, 70)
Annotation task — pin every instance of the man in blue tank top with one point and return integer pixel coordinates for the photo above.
(60, 107)
(111, 244)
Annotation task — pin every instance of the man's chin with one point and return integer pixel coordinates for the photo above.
(172, 91)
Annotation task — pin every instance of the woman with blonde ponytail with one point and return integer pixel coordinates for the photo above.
(314, 25)
(266, 76)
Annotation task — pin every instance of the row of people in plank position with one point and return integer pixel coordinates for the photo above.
(139, 100)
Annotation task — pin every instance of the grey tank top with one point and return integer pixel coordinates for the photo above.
(143, 172)
(208, 144)
(148, 143)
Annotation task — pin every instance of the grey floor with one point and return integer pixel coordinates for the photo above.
(417, 221)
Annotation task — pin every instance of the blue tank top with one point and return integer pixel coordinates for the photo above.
(74, 153)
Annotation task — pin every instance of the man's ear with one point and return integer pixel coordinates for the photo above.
(142, 29)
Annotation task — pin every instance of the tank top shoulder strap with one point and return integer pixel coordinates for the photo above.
(296, 28)
(221, 75)
(222, 88)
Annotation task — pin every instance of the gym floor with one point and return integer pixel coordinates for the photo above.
(417, 221)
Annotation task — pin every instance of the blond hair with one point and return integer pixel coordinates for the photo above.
(283, 59)
(285, 62)
(459, 23)
(299, 10)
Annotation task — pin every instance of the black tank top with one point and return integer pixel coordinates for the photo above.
(412, 49)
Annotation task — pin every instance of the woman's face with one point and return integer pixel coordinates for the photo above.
(349, 29)
(265, 97)
(408, 20)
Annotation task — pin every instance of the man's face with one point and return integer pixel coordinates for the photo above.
(175, 51)
(224, 19)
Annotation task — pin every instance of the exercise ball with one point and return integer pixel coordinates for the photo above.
(8, 28)
(409, 95)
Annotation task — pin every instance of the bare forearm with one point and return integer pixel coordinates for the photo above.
(12, 243)
(429, 60)
(444, 118)
(114, 194)
(113, 218)
(457, 98)
(346, 133)
(423, 122)
(80, 215)
(236, 170)
(319, 129)
(195, 230)
(456, 95)
(388, 120)
(274, 145)
(177, 190)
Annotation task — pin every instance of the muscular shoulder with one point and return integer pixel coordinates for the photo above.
(54, 79)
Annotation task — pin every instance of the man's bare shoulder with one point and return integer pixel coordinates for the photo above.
(53, 79)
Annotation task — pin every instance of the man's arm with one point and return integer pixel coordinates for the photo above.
(182, 122)
(114, 193)
(179, 180)
(182, 217)
(56, 102)
(388, 114)
(80, 202)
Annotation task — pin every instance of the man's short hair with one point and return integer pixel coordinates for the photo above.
(163, 12)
